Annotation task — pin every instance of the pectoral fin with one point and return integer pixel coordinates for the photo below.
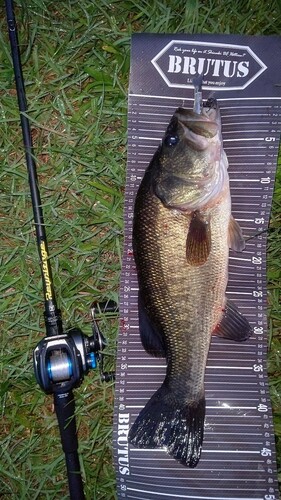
(235, 236)
(233, 325)
(198, 241)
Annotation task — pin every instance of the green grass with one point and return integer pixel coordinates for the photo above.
(76, 66)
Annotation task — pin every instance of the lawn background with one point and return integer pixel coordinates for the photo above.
(76, 58)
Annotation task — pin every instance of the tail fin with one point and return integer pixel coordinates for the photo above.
(177, 427)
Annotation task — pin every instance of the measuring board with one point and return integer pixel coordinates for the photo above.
(238, 457)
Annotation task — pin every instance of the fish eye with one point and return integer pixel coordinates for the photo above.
(171, 140)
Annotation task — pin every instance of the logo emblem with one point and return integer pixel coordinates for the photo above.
(224, 66)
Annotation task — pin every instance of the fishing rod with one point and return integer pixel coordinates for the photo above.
(61, 358)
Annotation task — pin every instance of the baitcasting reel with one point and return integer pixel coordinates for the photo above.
(61, 361)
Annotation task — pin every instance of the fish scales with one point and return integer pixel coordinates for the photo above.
(181, 236)
(178, 295)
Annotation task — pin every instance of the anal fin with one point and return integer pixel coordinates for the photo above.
(233, 325)
(198, 241)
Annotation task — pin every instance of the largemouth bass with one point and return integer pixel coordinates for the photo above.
(182, 232)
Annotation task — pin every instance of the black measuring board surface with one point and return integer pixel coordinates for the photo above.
(238, 457)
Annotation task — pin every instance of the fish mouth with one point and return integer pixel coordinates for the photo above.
(199, 128)
(211, 110)
(193, 179)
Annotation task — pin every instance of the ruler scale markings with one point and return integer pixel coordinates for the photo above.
(193, 497)
(201, 479)
(246, 273)
(190, 497)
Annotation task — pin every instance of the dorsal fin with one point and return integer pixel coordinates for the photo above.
(235, 237)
